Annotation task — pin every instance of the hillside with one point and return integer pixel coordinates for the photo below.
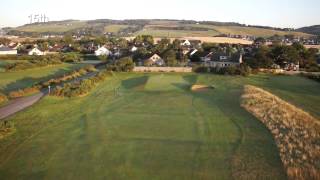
(157, 28)
(310, 30)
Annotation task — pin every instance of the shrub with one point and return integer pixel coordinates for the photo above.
(16, 94)
(125, 64)
(3, 98)
(200, 69)
(81, 88)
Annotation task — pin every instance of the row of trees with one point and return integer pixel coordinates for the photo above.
(265, 57)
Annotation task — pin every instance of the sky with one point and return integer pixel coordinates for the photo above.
(276, 13)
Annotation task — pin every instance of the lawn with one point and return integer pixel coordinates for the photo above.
(20, 79)
(148, 126)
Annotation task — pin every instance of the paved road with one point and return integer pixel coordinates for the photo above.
(19, 104)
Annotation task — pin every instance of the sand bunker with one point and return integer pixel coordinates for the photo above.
(201, 88)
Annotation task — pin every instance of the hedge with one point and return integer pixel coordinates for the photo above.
(80, 89)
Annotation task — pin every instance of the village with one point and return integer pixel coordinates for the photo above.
(163, 52)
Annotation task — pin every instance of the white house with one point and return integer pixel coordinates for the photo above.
(223, 60)
(155, 60)
(36, 51)
(102, 51)
(5, 50)
(186, 43)
(133, 49)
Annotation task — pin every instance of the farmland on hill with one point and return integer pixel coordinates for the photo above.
(151, 126)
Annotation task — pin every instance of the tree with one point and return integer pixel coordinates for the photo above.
(176, 44)
(125, 64)
(170, 57)
(141, 53)
(68, 39)
(4, 41)
(260, 41)
(283, 54)
(260, 58)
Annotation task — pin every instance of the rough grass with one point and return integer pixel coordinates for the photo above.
(296, 132)
(142, 126)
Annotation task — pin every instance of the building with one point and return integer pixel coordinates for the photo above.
(6, 51)
(186, 43)
(35, 51)
(154, 60)
(102, 51)
(133, 49)
(224, 60)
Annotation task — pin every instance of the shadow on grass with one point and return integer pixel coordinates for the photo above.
(136, 83)
(29, 81)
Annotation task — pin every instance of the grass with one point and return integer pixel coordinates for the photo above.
(115, 28)
(175, 33)
(294, 130)
(146, 126)
(252, 31)
(53, 27)
(20, 79)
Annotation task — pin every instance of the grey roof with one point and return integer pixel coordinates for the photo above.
(230, 58)
(6, 49)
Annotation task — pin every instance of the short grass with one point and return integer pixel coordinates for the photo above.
(115, 28)
(20, 79)
(150, 126)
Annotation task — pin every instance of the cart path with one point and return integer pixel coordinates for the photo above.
(19, 104)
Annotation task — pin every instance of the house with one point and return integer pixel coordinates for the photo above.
(6, 50)
(133, 49)
(36, 51)
(15, 45)
(102, 51)
(154, 60)
(186, 43)
(207, 57)
(223, 60)
(193, 51)
(291, 66)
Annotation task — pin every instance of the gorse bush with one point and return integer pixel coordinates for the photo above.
(52, 82)
(3, 98)
(80, 88)
(243, 70)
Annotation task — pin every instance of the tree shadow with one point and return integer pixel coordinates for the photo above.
(30, 81)
(136, 83)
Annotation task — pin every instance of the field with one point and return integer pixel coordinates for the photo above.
(114, 28)
(174, 29)
(156, 28)
(53, 27)
(151, 126)
(20, 79)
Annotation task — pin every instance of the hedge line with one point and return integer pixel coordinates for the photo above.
(315, 77)
(81, 88)
(243, 70)
(31, 64)
(52, 82)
